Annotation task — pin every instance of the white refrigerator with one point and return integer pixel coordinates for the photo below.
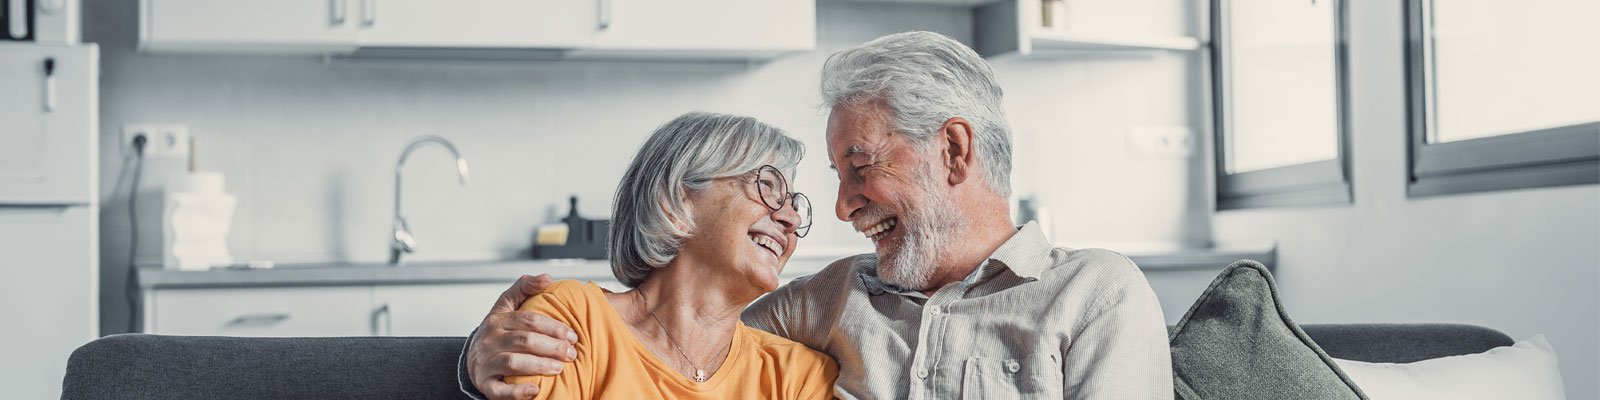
(49, 251)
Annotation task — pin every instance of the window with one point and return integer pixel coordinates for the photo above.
(1503, 94)
(1279, 101)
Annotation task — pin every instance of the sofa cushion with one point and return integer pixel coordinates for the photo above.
(1527, 370)
(137, 366)
(1237, 343)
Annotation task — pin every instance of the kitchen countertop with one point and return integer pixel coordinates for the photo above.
(419, 273)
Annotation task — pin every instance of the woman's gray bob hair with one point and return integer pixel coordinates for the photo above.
(651, 216)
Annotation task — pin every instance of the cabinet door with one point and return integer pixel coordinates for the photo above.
(707, 26)
(278, 312)
(477, 23)
(433, 310)
(439, 310)
(47, 145)
(327, 26)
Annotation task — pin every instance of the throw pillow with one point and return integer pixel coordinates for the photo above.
(1526, 370)
(1237, 343)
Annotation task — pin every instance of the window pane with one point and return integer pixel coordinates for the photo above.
(1503, 67)
(1284, 85)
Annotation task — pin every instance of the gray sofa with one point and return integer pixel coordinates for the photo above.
(137, 366)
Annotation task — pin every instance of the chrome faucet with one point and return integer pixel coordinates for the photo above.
(400, 239)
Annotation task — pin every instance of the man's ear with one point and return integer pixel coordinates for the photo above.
(958, 156)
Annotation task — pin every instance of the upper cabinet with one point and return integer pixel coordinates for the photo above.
(477, 23)
(702, 28)
(688, 29)
(1009, 28)
(317, 26)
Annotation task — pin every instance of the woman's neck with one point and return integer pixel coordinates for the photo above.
(685, 305)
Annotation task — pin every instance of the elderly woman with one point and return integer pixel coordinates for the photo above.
(703, 223)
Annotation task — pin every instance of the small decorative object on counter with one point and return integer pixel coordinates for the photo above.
(198, 215)
(578, 238)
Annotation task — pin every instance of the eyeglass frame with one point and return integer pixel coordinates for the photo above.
(788, 199)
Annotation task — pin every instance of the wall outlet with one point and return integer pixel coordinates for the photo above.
(1161, 141)
(161, 140)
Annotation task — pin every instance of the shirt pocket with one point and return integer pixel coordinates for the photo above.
(1034, 377)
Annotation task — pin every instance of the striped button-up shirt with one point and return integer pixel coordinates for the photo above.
(1034, 321)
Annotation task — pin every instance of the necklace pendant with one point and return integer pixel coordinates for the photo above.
(700, 375)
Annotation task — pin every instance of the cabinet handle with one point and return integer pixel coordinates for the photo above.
(369, 12)
(49, 85)
(259, 319)
(338, 11)
(605, 14)
(385, 328)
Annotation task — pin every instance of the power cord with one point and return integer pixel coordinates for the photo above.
(132, 289)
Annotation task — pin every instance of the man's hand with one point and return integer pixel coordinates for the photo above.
(511, 342)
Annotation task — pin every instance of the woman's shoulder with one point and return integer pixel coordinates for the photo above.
(568, 292)
(783, 350)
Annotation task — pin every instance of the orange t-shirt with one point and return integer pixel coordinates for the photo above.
(613, 364)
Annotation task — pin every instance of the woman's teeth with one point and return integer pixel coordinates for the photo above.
(767, 242)
(876, 231)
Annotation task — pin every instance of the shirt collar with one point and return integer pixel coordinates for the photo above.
(1025, 254)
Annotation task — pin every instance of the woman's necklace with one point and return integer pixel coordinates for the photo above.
(699, 374)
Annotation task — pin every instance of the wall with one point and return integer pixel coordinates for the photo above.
(308, 146)
(1525, 262)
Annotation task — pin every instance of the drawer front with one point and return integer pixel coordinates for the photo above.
(438, 310)
(281, 312)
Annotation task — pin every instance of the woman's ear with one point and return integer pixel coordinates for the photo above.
(958, 151)
(683, 224)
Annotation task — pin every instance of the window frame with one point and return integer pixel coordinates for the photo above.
(1316, 183)
(1550, 157)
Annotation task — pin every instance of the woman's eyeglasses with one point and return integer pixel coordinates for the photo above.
(775, 194)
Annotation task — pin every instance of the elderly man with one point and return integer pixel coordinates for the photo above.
(956, 301)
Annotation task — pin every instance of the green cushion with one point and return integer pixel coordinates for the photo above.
(1237, 343)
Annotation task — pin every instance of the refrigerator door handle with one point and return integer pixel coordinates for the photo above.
(49, 85)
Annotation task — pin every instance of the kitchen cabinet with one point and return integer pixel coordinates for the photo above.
(291, 311)
(259, 26)
(581, 29)
(431, 310)
(702, 28)
(451, 309)
(1012, 28)
(477, 23)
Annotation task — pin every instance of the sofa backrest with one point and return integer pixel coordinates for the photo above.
(137, 366)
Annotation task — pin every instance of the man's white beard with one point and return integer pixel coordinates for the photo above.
(926, 231)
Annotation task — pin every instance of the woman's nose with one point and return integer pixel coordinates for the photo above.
(788, 217)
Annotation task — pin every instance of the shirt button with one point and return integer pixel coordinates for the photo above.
(922, 373)
(1012, 366)
(936, 311)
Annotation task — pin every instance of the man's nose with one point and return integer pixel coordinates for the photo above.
(848, 202)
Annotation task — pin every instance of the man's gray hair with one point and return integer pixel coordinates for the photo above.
(926, 78)
(651, 216)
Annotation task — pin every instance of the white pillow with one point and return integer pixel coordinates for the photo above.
(1526, 371)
